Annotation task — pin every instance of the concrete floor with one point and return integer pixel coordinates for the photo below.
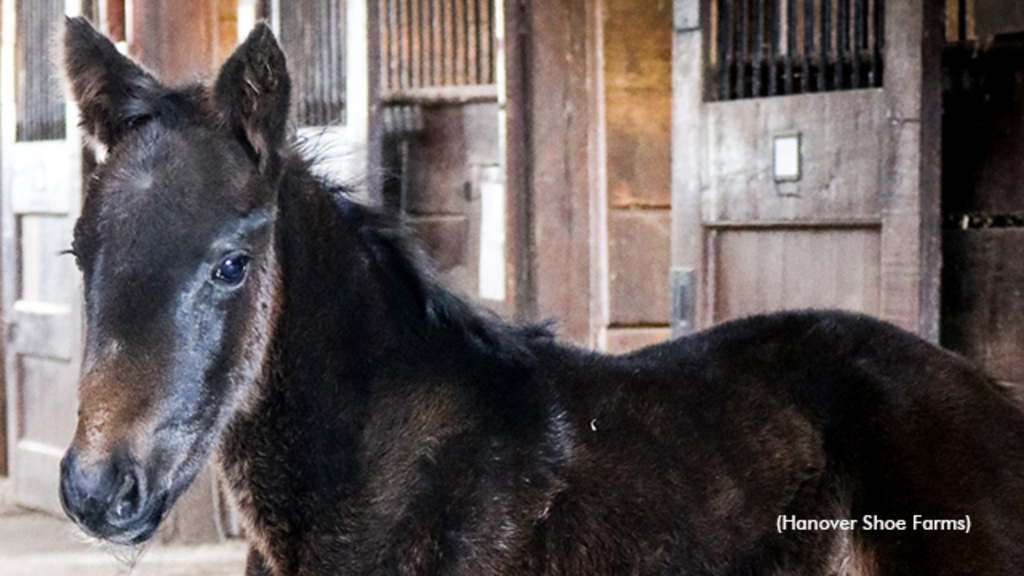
(34, 544)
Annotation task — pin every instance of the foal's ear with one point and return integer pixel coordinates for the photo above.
(112, 92)
(252, 94)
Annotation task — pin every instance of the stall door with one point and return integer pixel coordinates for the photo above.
(41, 289)
(801, 160)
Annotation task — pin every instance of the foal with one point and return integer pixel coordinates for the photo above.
(370, 422)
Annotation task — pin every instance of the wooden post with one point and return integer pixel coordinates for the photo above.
(911, 230)
(550, 45)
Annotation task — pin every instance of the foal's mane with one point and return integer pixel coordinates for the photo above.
(433, 317)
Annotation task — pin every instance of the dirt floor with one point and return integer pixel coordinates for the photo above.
(34, 544)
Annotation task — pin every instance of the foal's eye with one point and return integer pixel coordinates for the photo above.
(231, 270)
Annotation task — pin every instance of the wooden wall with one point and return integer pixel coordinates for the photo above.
(183, 40)
(447, 154)
(637, 51)
(551, 58)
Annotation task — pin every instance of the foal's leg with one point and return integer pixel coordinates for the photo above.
(255, 565)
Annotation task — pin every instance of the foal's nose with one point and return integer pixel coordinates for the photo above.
(101, 496)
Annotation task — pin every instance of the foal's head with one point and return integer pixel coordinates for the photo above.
(176, 245)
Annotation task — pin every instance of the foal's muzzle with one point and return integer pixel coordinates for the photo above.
(108, 499)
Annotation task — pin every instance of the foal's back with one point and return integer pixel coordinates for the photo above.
(691, 450)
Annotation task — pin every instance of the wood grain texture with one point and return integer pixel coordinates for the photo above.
(841, 136)
(559, 116)
(639, 259)
(764, 271)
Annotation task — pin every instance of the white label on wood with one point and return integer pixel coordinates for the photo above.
(787, 158)
(492, 235)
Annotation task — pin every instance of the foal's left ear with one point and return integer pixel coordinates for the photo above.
(252, 94)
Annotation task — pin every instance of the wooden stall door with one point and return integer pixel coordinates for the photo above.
(41, 290)
(803, 175)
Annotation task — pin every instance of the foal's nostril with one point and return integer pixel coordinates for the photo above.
(102, 495)
(128, 499)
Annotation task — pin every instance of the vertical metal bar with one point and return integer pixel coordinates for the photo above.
(399, 32)
(774, 18)
(431, 45)
(826, 44)
(742, 22)
(468, 40)
(422, 50)
(724, 50)
(478, 31)
(388, 42)
(791, 32)
(842, 38)
(879, 43)
(459, 51)
(444, 37)
(410, 43)
(962, 21)
(860, 20)
(807, 54)
(492, 49)
(757, 65)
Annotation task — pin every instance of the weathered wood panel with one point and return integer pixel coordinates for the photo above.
(182, 39)
(841, 136)
(761, 271)
(637, 52)
(639, 257)
(555, 110)
(446, 160)
(638, 102)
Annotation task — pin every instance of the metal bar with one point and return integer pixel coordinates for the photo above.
(826, 44)
(442, 43)
(860, 20)
(962, 21)
(478, 32)
(743, 31)
(842, 40)
(877, 68)
(459, 48)
(388, 37)
(410, 44)
(421, 45)
(773, 78)
(467, 39)
(791, 35)
(492, 49)
(758, 59)
(807, 53)
(724, 51)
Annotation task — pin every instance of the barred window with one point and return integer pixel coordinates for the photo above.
(430, 45)
(40, 104)
(313, 35)
(763, 48)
